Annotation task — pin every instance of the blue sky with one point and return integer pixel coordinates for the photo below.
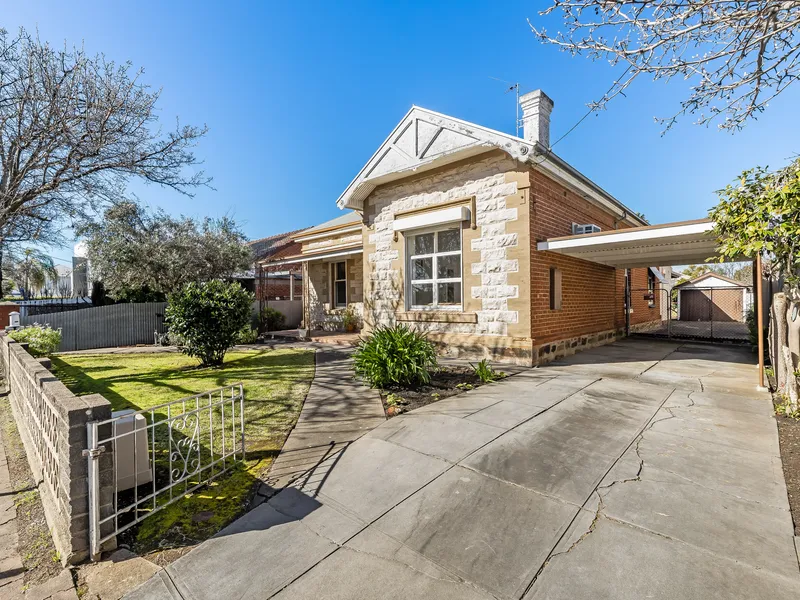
(298, 96)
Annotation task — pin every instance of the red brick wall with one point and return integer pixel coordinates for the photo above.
(642, 311)
(592, 294)
(5, 309)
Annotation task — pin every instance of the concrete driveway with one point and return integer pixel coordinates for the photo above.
(636, 470)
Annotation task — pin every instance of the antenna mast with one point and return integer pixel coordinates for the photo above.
(515, 87)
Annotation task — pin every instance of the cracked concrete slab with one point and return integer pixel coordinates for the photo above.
(753, 533)
(750, 475)
(489, 532)
(734, 429)
(757, 403)
(594, 492)
(543, 462)
(620, 561)
(352, 575)
(565, 451)
(442, 436)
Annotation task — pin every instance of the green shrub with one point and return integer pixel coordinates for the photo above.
(272, 319)
(42, 340)
(484, 371)
(247, 335)
(208, 318)
(395, 356)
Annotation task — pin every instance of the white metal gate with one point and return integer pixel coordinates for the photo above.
(159, 455)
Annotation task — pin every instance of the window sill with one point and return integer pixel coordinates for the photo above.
(437, 316)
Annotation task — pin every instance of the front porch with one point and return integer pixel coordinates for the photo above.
(339, 338)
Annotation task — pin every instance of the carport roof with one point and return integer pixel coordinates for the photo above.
(685, 242)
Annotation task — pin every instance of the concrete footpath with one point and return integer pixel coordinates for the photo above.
(337, 411)
(637, 470)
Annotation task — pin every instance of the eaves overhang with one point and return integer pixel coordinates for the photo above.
(425, 140)
(685, 242)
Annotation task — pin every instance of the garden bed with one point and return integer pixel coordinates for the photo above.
(445, 383)
(789, 437)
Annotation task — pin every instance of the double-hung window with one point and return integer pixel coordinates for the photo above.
(434, 268)
(339, 281)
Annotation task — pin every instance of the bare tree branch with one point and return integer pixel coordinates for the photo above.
(739, 54)
(73, 130)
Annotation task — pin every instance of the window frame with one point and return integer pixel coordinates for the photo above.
(435, 279)
(334, 281)
(556, 299)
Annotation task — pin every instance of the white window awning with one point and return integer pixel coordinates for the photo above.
(455, 214)
(687, 242)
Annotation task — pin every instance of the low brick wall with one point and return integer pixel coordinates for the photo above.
(52, 424)
(553, 350)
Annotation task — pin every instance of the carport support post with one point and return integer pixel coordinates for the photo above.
(757, 283)
(627, 302)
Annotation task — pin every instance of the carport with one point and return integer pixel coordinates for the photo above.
(684, 242)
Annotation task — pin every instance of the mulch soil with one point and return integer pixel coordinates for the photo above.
(446, 382)
(789, 437)
(35, 544)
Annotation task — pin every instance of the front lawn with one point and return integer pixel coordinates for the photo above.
(275, 384)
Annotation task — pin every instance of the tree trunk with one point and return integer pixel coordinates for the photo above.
(786, 346)
(778, 326)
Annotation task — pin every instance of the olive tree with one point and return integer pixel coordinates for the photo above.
(759, 214)
(737, 54)
(134, 251)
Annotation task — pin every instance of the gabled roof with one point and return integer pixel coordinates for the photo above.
(425, 139)
(349, 218)
(709, 275)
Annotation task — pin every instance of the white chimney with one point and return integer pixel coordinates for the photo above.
(536, 108)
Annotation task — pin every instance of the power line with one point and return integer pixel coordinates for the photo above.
(590, 111)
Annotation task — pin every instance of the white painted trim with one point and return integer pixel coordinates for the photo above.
(659, 275)
(331, 233)
(635, 235)
(486, 139)
(319, 255)
(454, 214)
(435, 280)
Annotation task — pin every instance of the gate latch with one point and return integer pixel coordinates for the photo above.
(93, 452)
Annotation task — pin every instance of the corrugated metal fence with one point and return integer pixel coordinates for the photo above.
(105, 326)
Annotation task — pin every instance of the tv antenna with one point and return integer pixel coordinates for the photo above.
(512, 87)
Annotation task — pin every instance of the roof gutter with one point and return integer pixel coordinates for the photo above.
(557, 167)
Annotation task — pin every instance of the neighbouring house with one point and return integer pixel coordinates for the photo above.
(274, 285)
(443, 235)
(713, 297)
(330, 255)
